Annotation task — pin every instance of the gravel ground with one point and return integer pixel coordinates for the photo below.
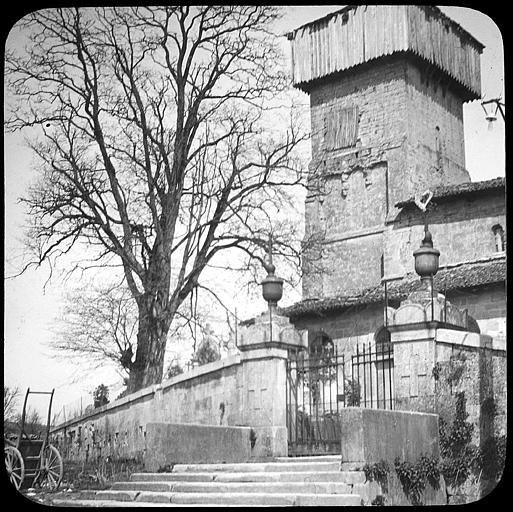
(46, 497)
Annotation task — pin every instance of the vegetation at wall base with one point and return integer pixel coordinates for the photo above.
(415, 476)
(461, 460)
(378, 472)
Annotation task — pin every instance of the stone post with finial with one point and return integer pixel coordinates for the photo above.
(424, 330)
(272, 286)
(264, 344)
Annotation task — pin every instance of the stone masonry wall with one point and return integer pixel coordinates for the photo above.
(481, 375)
(118, 429)
(346, 329)
(461, 229)
(409, 134)
(359, 324)
(247, 389)
(487, 305)
(436, 150)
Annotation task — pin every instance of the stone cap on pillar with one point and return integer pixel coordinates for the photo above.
(420, 307)
(258, 335)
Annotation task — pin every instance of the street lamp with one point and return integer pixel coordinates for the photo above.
(491, 113)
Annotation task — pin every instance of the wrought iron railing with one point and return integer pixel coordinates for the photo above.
(319, 385)
(372, 376)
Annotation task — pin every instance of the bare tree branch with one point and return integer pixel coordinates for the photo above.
(156, 149)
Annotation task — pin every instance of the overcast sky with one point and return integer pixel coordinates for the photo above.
(30, 309)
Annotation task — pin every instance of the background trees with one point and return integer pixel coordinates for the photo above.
(157, 152)
(12, 415)
(11, 397)
(100, 396)
(98, 326)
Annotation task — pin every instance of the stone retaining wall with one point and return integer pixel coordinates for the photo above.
(208, 395)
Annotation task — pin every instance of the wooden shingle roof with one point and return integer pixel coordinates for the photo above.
(465, 275)
(361, 33)
(469, 188)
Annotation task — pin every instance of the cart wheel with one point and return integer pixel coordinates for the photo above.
(14, 465)
(50, 472)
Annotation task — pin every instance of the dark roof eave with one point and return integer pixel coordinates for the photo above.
(462, 277)
(462, 189)
(467, 92)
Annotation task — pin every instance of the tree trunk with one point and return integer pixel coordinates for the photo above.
(151, 346)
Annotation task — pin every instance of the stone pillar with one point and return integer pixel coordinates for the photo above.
(421, 345)
(264, 350)
(414, 359)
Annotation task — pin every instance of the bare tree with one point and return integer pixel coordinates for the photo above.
(11, 396)
(156, 153)
(33, 422)
(98, 324)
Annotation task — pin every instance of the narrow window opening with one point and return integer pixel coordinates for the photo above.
(438, 148)
(500, 242)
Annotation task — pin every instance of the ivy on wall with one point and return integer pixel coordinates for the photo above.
(459, 461)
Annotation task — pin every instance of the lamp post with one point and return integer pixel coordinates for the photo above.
(490, 114)
(272, 287)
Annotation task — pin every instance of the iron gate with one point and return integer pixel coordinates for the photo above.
(318, 387)
(315, 383)
(372, 376)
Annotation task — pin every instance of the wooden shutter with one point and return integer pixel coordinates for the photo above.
(341, 128)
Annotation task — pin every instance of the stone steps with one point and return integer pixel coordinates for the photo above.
(273, 487)
(255, 467)
(128, 504)
(309, 481)
(233, 498)
(349, 477)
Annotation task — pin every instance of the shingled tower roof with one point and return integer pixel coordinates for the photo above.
(361, 33)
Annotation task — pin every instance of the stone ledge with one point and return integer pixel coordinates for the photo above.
(202, 370)
(182, 443)
(265, 351)
(375, 230)
(371, 435)
(469, 339)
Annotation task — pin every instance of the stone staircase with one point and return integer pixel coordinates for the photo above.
(304, 481)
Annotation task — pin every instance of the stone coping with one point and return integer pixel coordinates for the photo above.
(452, 336)
(388, 412)
(202, 426)
(470, 339)
(263, 351)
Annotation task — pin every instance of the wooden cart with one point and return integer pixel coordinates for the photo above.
(32, 460)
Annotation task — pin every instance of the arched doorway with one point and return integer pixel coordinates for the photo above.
(320, 345)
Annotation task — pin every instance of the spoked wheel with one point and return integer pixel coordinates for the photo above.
(14, 465)
(50, 472)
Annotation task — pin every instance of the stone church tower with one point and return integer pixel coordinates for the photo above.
(387, 85)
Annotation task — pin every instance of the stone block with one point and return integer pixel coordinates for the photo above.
(168, 444)
(274, 326)
(270, 442)
(371, 435)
